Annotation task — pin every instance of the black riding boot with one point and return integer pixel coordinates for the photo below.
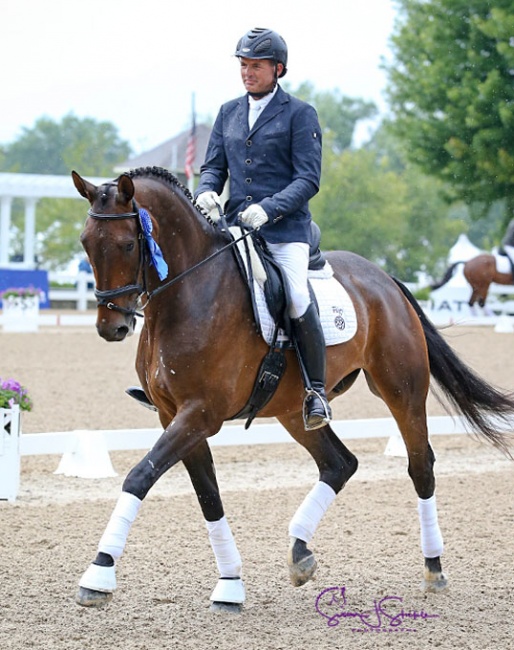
(310, 342)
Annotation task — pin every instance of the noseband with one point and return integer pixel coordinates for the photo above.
(105, 298)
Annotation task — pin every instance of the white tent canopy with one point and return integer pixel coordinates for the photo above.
(463, 250)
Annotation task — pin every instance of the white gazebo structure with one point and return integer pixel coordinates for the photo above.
(30, 188)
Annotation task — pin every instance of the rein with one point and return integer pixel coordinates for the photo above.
(104, 298)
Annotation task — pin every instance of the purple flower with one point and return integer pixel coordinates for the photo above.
(11, 392)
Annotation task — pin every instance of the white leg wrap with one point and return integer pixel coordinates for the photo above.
(431, 539)
(115, 536)
(306, 519)
(225, 549)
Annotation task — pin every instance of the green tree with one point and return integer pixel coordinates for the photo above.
(451, 93)
(52, 147)
(375, 203)
(338, 114)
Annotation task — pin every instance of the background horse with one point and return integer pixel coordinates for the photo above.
(199, 352)
(480, 272)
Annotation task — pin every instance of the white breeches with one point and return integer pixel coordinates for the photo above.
(293, 257)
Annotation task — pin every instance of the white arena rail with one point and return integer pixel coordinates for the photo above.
(85, 454)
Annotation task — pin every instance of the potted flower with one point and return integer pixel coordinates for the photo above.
(20, 309)
(14, 398)
(11, 393)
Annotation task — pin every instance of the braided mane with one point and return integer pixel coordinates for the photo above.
(161, 174)
(164, 175)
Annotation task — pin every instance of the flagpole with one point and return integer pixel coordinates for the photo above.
(191, 149)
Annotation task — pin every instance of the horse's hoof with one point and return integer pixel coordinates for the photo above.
(91, 598)
(231, 608)
(434, 580)
(302, 563)
(435, 584)
(303, 571)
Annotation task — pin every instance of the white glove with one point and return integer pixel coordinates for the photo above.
(209, 202)
(254, 216)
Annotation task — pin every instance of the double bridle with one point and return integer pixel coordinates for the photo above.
(105, 298)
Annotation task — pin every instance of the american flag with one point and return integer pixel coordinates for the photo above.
(191, 150)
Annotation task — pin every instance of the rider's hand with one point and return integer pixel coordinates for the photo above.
(254, 216)
(210, 203)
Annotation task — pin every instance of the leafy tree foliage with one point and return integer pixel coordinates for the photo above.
(338, 114)
(452, 94)
(374, 203)
(56, 148)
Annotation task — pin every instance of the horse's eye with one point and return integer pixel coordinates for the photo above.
(130, 247)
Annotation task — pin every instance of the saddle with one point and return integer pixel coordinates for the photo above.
(276, 294)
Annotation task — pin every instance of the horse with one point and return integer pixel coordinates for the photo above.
(480, 272)
(199, 352)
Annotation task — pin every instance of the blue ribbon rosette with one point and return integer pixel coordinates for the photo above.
(153, 248)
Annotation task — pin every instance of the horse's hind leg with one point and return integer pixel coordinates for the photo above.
(336, 465)
(408, 408)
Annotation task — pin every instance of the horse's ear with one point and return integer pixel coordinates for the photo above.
(84, 188)
(125, 188)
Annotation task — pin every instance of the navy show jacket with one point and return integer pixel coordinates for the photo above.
(276, 164)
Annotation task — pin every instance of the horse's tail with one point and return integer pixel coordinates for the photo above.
(447, 276)
(484, 407)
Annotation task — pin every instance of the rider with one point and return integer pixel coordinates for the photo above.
(268, 143)
(507, 244)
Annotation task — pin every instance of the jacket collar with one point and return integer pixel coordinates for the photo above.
(275, 106)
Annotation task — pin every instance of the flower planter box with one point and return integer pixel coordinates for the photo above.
(21, 314)
(10, 430)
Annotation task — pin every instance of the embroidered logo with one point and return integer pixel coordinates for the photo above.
(339, 321)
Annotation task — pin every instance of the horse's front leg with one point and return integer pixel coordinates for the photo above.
(177, 441)
(229, 593)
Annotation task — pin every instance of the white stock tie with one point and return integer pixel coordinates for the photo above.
(253, 114)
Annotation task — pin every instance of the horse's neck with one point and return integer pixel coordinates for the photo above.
(187, 239)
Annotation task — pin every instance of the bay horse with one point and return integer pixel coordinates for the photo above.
(199, 352)
(480, 272)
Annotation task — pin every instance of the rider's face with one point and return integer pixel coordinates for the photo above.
(258, 75)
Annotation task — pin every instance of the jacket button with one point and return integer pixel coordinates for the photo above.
(248, 143)
(248, 180)
(248, 161)
(249, 198)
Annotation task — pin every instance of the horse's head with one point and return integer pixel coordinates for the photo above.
(113, 242)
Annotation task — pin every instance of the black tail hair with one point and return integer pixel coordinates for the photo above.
(484, 407)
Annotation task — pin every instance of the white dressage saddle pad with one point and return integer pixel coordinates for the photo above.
(502, 262)
(337, 313)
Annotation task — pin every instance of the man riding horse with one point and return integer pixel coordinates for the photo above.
(268, 144)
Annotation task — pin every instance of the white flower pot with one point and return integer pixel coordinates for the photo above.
(10, 430)
(21, 314)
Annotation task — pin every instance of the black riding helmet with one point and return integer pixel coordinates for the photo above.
(261, 43)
